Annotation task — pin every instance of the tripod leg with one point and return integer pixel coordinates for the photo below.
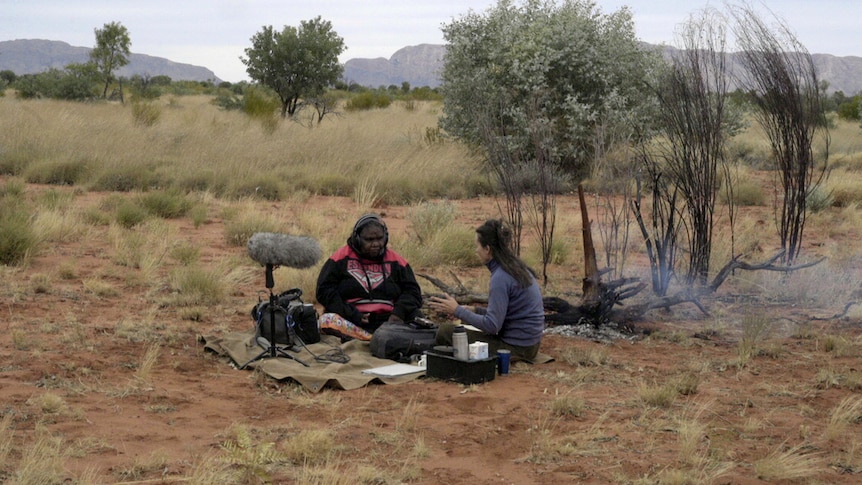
(256, 358)
(283, 353)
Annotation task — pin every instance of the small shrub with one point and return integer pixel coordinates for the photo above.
(146, 113)
(818, 199)
(129, 214)
(13, 189)
(124, 179)
(238, 232)
(67, 271)
(197, 287)
(40, 283)
(747, 193)
(686, 384)
(429, 218)
(14, 162)
(54, 199)
(260, 104)
(186, 254)
(368, 100)
(17, 238)
(96, 217)
(310, 446)
(846, 193)
(755, 329)
(21, 339)
(198, 215)
(57, 173)
(193, 313)
(453, 245)
(102, 289)
(567, 405)
(660, 396)
(198, 181)
(585, 357)
(332, 184)
(266, 188)
(169, 204)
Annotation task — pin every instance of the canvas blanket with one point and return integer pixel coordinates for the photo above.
(241, 348)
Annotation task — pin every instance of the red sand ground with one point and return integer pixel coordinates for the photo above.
(504, 431)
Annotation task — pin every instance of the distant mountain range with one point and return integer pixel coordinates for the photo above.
(417, 65)
(31, 56)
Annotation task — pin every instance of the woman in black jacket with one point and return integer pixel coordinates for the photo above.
(364, 283)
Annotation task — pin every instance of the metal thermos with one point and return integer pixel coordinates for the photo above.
(460, 344)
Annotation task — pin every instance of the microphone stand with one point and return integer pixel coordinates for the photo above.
(274, 350)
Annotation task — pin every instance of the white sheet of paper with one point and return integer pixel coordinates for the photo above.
(394, 370)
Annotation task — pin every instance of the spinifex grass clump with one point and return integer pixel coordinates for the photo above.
(169, 204)
(17, 239)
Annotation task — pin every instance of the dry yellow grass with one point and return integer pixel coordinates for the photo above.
(375, 155)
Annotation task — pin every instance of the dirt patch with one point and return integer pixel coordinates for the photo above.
(74, 367)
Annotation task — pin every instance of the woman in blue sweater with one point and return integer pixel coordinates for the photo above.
(515, 316)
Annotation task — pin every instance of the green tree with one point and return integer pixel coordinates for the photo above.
(545, 89)
(111, 51)
(79, 82)
(295, 63)
(850, 109)
(563, 65)
(8, 76)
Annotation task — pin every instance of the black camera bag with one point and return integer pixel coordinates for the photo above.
(401, 341)
(294, 320)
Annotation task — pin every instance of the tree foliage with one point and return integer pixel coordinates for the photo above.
(295, 63)
(78, 82)
(111, 51)
(566, 67)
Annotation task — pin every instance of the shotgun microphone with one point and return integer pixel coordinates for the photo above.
(271, 249)
(283, 250)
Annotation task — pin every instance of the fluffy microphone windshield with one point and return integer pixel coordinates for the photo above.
(269, 248)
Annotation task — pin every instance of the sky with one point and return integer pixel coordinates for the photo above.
(214, 33)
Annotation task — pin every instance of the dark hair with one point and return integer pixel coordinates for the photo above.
(495, 235)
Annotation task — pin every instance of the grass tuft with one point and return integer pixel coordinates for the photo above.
(788, 464)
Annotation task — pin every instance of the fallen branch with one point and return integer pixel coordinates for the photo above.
(459, 292)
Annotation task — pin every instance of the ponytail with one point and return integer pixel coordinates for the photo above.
(495, 235)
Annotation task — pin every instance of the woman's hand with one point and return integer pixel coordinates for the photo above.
(444, 304)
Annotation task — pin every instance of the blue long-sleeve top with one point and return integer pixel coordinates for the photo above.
(515, 314)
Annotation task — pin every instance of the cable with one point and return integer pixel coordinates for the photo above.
(334, 355)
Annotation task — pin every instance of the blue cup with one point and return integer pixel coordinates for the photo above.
(503, 358)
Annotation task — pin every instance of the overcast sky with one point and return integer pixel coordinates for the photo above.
(214, 33)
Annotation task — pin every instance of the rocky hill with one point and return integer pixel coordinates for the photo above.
(419, 65)
(30, 56)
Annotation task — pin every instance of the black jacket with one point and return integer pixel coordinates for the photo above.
(350, 286)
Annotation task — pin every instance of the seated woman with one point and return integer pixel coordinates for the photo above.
(364, 283)
(515, 316)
